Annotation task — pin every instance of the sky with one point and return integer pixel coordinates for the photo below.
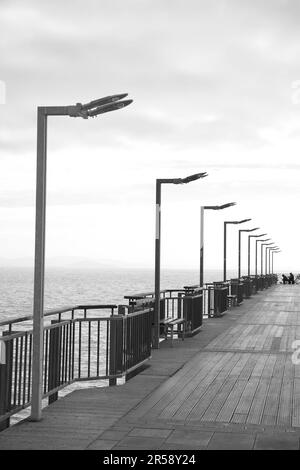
(216, 88)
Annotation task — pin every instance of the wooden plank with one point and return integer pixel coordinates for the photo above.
(258, 403)
(222, 395)
(218, 401)
(272, 402)
(164, 389)
(260, 365)
(245, 402)
(230, 404)
(170, 404)
(296, 403)
(286, 396)
(205, 400)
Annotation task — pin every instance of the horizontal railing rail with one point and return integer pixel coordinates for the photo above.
(59, 312)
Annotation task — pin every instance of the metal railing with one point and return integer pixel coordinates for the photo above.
(77, 348)
(186, 304)
(109, 345)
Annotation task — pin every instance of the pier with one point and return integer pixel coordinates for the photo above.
(235, 384)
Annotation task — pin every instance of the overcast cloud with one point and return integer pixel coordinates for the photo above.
(215, 87)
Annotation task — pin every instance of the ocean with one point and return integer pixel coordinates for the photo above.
(68, 287)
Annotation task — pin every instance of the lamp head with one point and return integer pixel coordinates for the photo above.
(108, 107)
(229, 204)
(249, 229)
(194, 177)
(243, 221)
(99, 106)
(102, 101)
(223, 206)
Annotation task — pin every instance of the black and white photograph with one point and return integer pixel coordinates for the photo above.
(149, 230)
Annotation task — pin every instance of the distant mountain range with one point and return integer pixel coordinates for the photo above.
(60, 262)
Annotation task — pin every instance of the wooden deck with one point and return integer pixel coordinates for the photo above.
(234, 385)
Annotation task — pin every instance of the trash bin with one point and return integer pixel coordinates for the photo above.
(247, 286)
(221, 291)
(237, 288)
(193, 310)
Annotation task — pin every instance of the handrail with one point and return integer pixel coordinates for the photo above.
(142, 295)
(59, 311)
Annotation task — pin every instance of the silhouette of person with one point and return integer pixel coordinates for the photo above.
(291, 278)
(284, 279)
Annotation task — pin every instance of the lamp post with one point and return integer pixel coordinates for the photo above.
(267, 253)
(239, 250)
(269, 256)
(275, 251)
(225, 242)
(261, 256)
(202, 209)
(265, 240)
(249, 249)
(92, 109)
(159, 182)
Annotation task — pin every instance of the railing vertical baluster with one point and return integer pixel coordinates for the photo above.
(20, 370)
(79, 352)
(29, 367)
(25, 368)
(73, 348)
(16, 370)
(89, 348)
(107, 342)
(70, 351)
(66, 353)
(98, 346)
(63, 353)
(46, 361)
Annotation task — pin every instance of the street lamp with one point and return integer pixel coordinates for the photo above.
(225, 240)
(267, 253)
(249, 249)
(262, 257)
(265, 240)
(268, 256)
(159, 182)
(275, 251)
(239, 257)
(202, 209)
(92, 109)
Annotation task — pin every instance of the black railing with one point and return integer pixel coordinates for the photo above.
(109, 345)
(175, 304)
(77, 348)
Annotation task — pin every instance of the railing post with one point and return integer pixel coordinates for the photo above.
(5, 379)
(116, 347)
(54, 361)
(3, 385)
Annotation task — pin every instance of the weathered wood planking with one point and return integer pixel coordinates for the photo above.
(244, 375)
